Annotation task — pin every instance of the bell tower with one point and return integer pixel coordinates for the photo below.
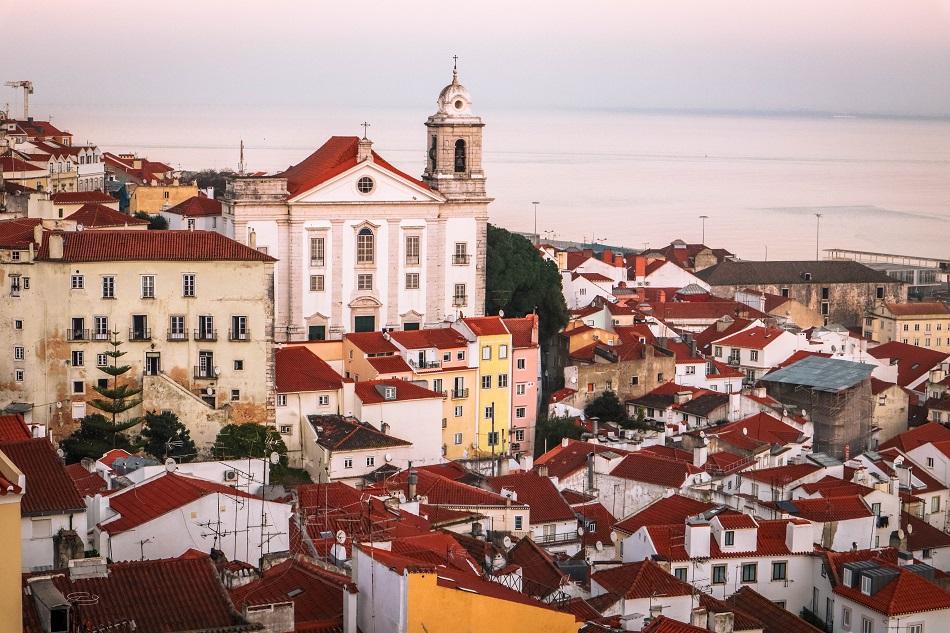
(454, 145)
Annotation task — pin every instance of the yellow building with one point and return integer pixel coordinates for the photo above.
(925, 324)
(11, 492)
(154, 198)
(490, 342)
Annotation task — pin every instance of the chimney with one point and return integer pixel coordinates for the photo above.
(252, 239)
(364, 150)
(413, 479)
(52, 607)
(565, 442)
(894, 485)
(607, 256)
(618, 261)
(681, 397)
(697, 617)
(588, 252)
(759, 392)
(661, 296)
(590, 471)
(640, 266)
(697, 537)
(700, 455)
(81, 568)
(38, 233)
(55, 245)
(721, 622)
(799, 537)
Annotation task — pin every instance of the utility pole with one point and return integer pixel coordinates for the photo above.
(817, 235)
(535, 203)
(703, 218)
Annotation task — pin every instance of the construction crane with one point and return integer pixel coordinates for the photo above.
(27, 91)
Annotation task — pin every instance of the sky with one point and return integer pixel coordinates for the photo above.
(844, 56)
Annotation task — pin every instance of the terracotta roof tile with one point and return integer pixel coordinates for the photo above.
(562, 461)
(540, 575)
(372, 391)
(663, 624)
(781, 475)
(95, 215)
(595, 512)
(641, 580)
(918, 309)
(49, 490)
(640, 466)
(439, 338)
(918, 436)
(17, 233)
(907, 593)
(297, 369)
(87, 483)
(669, 541)
(713, 332)
(82, 197)
(913, 362)
(341, 434)
(486, 326)
(752, 338)
(773, 618)
(442, 491)
(13, 428)
(522, 331)
(539, 493)
(371, 342)
(737, 521)
(830, 509)
(196, 207)
(665, 511)
(131, 245)
(392, 364)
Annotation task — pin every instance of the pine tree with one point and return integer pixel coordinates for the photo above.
(117, 398)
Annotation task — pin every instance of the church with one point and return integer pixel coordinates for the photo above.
(363, 246)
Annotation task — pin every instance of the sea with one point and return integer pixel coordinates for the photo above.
(624, 178)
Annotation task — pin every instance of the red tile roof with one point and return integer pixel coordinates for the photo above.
(49, 490)
(393, 364)
(595, 512)
(159, 596)
(781, 475)
(131, 245)
(755, 431)
(665, 511)
(11, 163)
(562, 461)
(737, 522)
(486, 326)
(799, 355)
(521, 331)
(87, 483)
(907, 593)
(439, 338)
(371, 391)
(918, 436)
(825, 510)
(317, 593)
(340, 434)
(371, 342)
(923, 308)
(13, 428)
(82, 197)
(159, 495)
(196, 207)
(442, 491)
(913, 362)
(702, 310)
(297, 369)
(773, 618)
(540, 575)
(17, 233)
(669, 541)
(663, 624)
(710, 334)
(561, 395)
(752, 338)
(539, 493)
(116, 453)
(641, 580)
(642, 466)
(331, 159)
(921, 535)
(95, 215)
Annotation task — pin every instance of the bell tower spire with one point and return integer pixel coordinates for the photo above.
(454, 144)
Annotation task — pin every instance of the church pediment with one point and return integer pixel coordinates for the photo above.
(367, 182)
(365, 301)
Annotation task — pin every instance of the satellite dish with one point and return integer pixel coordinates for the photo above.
(61, 452)
(901, 534)
(599, 546)
(506, 542)
(210, 391)
(501, 313)
(580, 531)
(745, 430)
(59, 405)
(340, 537)
(614, 537)
(910, 528)
(274, 457)
(388, 457)
(898, 461)
(170, 465)
(785, 413)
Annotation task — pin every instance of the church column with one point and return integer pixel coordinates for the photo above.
(295, 281)
(436, 309)
(336, 324)
(282, 305)
(481, 252)
(395, 280)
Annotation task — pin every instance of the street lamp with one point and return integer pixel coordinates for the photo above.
(535, 203)
(704, 218)
(817, 234)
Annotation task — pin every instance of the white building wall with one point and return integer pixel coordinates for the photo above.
(36, 542)
(418, 421)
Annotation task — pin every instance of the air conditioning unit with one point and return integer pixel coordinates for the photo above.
(230, 475)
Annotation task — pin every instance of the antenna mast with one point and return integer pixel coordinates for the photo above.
(241, 160)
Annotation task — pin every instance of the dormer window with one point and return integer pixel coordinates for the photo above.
(846, 577)
(866, 585)
(389, 393)
(728, 537)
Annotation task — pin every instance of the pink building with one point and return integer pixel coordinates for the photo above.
(526, 381)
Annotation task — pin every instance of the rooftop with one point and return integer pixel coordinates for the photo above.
(741, 273)
(49, 490)
(343, 434)
(132, 245)
(95, 215)
(822, 374)
(297, 369)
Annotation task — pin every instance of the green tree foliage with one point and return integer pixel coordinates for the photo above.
(519, 281)
(93, 439)
(550, 431)
(208, 178)
(164, 436)
(607, 407)
(155, 222)
(253, 440)
(99, 433)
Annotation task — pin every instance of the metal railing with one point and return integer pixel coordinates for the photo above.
(459, 301)
(176, 336)
(100, 336)
(140, 334)
(428, 364)
(240, 335)
(205, 373)
(460, 394)
(461, 260)
(551, 539)
(206, 335)
(412, 260)
(75, 334)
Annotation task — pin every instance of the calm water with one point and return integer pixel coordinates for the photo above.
(624, 178)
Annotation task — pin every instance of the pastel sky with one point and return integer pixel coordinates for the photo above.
(866, 56)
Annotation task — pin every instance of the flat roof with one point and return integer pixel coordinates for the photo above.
(822, 374)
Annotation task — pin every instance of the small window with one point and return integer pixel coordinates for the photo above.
(188, 285)
(519, 437)
(148, 286)
(785, 292)
(519, 523)
(108, 287)
(521, 412)
(754, 355)
(634, 381)
(457, 439)
(235, 395)
(79, 386)
(77, 358)
(412, 281)
(502, 351)
(348, 463)
(729, 537)
(486, 382)
(502, 380)
(102, 360)
(364, 281)
(750, 572)
(521, 389)
(371, 461)
(486, 352)
(41, 528)
(846, 618)
(77, 282)
(282, 400)
(18, 375)
(520, 363)
(930, 462)
(880, 292)
(238, 365)
(19, 352)
(365, 246)
(867, 625)
(17, 324)
(659, 377)
(680, 573)
(365, 184)
(779, 570)
(719, 574)
(317, 251)
(15, 256)
(718, 351)
(458, 411)
(412, 250)
(489, 412)
(286, 429)
(866, 585)
(323, 401)
(316, 283)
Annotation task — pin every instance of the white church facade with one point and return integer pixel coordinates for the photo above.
(361, 245)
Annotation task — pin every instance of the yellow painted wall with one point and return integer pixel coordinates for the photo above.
(499, 396)
(152, 199)
(435, 609)
(464, 424)
(11, 617)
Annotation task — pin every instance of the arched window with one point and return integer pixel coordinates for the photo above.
(365, 246)
(459, 155)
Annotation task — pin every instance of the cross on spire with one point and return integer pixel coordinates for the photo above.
(365, 126)
(455, 62)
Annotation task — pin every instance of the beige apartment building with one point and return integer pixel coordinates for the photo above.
(921, 324)
(193, 309)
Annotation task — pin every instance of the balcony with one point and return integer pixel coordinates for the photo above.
(734, 361)
(206, 335)
(317, 263)
(100, 336)
(427, 364)
(140, 334)
(459, 394)
(181, 335)
(75, 334)
(555, 539)
(461, 259)
(412, 260)
(240, 335)
(459, 302)
(205, 373)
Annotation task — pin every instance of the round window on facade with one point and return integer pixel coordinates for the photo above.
(459, 104)
(365, 184)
